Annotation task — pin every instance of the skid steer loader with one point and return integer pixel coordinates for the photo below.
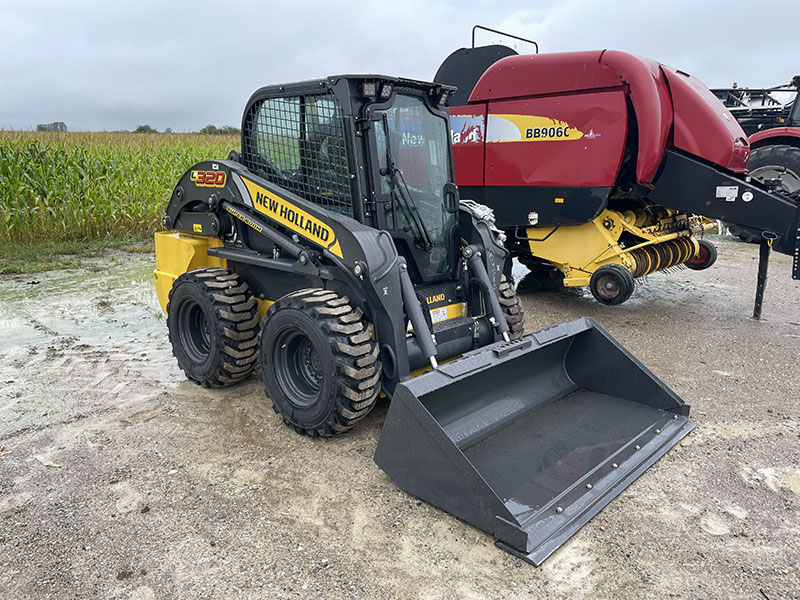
(334, 251)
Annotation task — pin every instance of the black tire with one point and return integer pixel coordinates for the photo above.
(512, 309)
(706, 257)
(212, 318)
(611, 284)
(751, 236)
(319, 362)
(540, 268)
(772, 162)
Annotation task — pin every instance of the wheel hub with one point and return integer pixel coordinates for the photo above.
(608, 286)
(790, 181)
(297, 366)
(312, 364)
(702, 257)
(195, 331)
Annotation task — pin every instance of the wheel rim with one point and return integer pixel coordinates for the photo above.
(608, 287)
(701, 257)
(194, 331)
(790, 181)
(297, 366)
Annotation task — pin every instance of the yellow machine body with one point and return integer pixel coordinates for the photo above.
(178, 252)
(579, 250)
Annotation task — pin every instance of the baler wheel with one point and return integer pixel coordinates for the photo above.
(706, 257)
(212, 318)
(611, 284)
(512, 309)
(319, 362)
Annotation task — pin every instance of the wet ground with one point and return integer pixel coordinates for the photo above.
(119, 479)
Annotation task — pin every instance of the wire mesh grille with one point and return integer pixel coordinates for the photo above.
(298, 143)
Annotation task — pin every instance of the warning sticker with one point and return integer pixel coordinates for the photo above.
(439, 314)
(728, 192)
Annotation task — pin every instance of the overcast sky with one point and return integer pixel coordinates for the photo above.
(184, 64)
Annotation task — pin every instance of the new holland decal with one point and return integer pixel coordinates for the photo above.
(293, 217)
(466, 129)
(529, 128)
(433, 299)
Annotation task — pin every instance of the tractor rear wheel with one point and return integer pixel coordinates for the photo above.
(512, 309)
(212, 320)
(706, 257)
(779, 162)
(319, 362)
(612, 284)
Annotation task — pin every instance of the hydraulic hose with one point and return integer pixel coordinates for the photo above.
(414, 311)
(475, 262)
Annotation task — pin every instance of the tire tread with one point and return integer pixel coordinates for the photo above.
(236, 320)
(512, 309)
(358, 370)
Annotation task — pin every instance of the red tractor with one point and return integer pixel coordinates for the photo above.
(771, 119)
(598, 165)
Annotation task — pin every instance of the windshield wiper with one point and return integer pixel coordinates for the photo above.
(399, 183)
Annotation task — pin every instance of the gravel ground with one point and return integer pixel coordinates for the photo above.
(119, 479)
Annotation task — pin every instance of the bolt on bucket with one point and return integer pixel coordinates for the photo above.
(528, 440)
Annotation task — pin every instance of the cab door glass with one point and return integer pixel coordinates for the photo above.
(418, 148)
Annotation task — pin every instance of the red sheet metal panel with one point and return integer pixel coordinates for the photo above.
(703, 126)
(468, 132)
(672, 109)
(653, 107)
(570, 72)
(575, 140)
(539, 74)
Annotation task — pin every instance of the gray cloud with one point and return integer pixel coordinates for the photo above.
(101, 65)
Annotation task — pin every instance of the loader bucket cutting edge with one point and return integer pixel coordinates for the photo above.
(528, 440)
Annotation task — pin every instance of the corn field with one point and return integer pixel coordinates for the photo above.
(83, 186)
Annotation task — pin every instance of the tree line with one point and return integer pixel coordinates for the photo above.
(207, 130)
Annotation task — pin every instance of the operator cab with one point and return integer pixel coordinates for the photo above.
(307, 137)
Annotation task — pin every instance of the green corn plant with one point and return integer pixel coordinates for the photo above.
(83, 186)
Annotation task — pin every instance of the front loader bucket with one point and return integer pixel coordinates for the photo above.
(529, 440)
